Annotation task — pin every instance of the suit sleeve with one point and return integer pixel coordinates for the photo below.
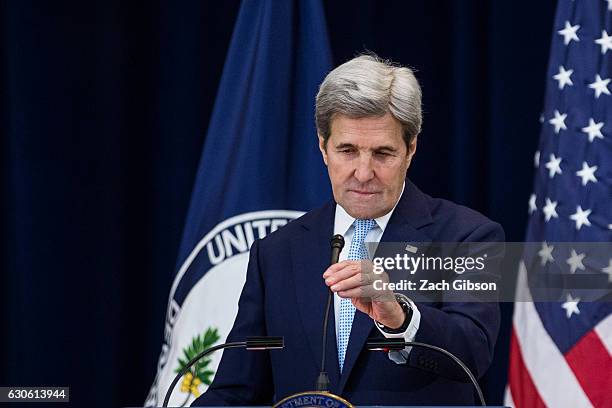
(468, 329)
(244, 377)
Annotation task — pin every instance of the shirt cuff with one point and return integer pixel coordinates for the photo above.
(401, 356)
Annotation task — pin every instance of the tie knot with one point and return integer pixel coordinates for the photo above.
(358, 250)
(362, 227)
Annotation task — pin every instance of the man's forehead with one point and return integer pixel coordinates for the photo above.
(386, 121)
(375, 140)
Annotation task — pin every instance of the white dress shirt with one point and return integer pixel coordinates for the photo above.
(343, 225)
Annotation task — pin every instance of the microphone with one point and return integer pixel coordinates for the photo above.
(322, 384)
(337, 243)
(252, 343)
(377, 344)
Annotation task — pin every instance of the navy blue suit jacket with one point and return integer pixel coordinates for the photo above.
(284, 295)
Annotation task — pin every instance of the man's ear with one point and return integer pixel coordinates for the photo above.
(411, 150)
(412, 147)
(323, 149)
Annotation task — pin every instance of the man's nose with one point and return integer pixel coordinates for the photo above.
(364, 171)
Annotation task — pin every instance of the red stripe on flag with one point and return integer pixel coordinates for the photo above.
(590, 361)
(524, 392)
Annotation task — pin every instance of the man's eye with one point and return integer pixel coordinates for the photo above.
(346, 151)
(382, 154)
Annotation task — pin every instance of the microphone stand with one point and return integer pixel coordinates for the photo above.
(322, 384)
(399, 344)
(252, 343)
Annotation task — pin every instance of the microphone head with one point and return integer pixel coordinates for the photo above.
(265, 342)
(337, 241)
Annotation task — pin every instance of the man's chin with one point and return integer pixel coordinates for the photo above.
(364, 211)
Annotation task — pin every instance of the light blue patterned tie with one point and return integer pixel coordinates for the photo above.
(357, 251)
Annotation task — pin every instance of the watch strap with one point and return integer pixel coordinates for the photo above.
(404, 302)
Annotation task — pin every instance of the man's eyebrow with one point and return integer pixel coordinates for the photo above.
(344, 146)
(376, 149)
(385, 148)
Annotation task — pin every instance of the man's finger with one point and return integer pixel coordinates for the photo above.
(354, 281)
(338, 266)
(351, 293)
(344, 273)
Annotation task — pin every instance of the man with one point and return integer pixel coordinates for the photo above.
(368, 116)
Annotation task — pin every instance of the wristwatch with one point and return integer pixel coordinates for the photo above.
(404, 302)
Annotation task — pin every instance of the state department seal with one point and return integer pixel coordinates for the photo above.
(204, 295)
(313, 399)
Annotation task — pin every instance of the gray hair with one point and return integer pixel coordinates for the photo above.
(368, 86)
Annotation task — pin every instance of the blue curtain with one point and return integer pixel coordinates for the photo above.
(104, 108)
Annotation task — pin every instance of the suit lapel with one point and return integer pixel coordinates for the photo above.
(410, 214)
(310, 256)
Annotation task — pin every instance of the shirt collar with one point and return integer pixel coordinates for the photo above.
(343, 221)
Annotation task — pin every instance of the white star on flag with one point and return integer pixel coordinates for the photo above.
(587, 173)
(569, 203)
(546, 253)
(581, 217)
(571, 306)
(605, 42)
(536, 159)
(600, 86)
(550, 210)
(554, 166)
(532, 204)
(594, 130)
(569, 33)
(608, 270)
(564, 77)
(558, 121)
(575, 261)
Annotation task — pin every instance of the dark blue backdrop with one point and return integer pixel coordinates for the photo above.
(104, 107)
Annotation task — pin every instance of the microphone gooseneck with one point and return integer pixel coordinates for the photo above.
(322, 384)
(400, 344)
(251, 343)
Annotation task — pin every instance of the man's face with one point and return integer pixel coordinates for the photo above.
(366, 160)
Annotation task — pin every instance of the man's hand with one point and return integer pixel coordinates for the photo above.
(354, 280)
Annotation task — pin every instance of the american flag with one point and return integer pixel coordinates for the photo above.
(561, 352)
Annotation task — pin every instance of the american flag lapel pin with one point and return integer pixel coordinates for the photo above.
(411, 249)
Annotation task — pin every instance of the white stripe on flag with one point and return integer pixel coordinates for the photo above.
(508, 402)
(604, 331)
(551, 374)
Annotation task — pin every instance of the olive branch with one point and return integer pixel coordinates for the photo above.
(200, 343)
